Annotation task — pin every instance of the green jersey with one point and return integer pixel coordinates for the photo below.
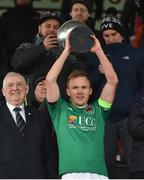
(80, 136)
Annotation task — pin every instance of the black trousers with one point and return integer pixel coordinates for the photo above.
(113, 132)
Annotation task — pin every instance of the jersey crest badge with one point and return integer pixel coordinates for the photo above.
(89, 109)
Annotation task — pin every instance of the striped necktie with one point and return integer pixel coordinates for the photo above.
(21, 125)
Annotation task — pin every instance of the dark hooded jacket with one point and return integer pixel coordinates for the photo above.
(31, 99)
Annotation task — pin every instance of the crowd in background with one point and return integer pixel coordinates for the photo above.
(29, 49)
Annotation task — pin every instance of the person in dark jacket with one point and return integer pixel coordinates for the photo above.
(37, 99)
(17, 25)
(129, 66)
(26, 149)
(136, 130)
(33, 59)
(37, 57)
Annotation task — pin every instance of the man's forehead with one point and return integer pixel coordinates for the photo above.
(79, 5)
(79, 80)
(12, 79)
(110, 31)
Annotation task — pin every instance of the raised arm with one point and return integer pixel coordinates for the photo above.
(108, 91)
(51, 78)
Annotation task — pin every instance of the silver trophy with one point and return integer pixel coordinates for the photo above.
(80, 36)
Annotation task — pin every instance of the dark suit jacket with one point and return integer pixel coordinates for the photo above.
(28, 157)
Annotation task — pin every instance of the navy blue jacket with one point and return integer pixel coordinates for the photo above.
(128, 63)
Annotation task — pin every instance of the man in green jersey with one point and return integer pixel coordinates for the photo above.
(80, 126)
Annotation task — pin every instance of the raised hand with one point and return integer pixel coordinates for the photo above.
(67, 43)
(50, 41)
(97, 46)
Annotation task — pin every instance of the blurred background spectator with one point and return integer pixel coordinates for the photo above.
(17, 25)
(132, 18)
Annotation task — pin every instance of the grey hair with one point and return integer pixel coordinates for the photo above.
(11, 74)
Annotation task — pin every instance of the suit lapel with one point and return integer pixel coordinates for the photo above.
(28, 115)
(8, 119)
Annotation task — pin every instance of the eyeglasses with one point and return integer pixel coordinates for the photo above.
(81, 10)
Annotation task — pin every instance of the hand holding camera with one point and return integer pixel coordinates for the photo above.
(50, 41)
